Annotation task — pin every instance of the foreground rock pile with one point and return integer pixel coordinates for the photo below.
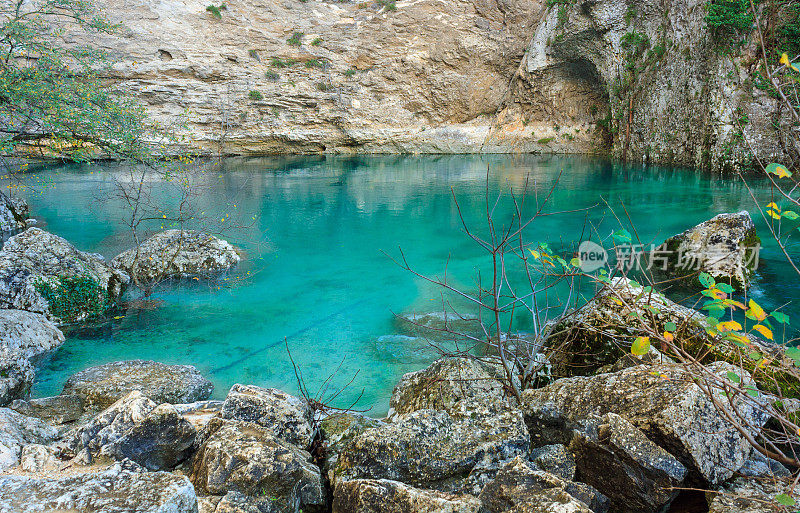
(620, 441)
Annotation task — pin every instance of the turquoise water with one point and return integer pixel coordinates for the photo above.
(315, 231)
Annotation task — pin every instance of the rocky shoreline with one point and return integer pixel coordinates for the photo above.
(625, 434)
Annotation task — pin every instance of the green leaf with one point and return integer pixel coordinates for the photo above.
(752, 391)
(706, 280)
(670, 326)
(622, 236)
(788, 214)
(640, 346)
(784, 500)
(724, 287)
(780, 317)
(794, 354)
(734, 377)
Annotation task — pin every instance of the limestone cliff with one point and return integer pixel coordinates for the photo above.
(436, 76)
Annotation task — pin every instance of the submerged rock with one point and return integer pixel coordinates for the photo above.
(13, 213)
(244, 457)
(386, 496)
(17, 431)
(451, 385)
(726, 247)
(103, 385)
(634, 473)
(111, 491)
(437, 325)
(24, 338)
(177, 253)
(35, 257)
(434, 449)
(660, 400)
(286, 416)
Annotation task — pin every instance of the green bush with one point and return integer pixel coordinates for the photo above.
(350, 72)
(271, 75)
(216, 11)
(296, 39)
(729, 17)
(75, 298)
(317, 41)
(255, 95)
(789, 33)
(387, 4)
(315, 63)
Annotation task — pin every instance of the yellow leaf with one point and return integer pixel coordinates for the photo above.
(728, 326)
(668, 336)
(763, 330)
(773, 205)
(773, 214)
(756, 311)
(640, 346)
(535, 254)
(781, 172)
(784, 59)
(617, 301)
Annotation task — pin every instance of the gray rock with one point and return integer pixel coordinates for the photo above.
(111, 491)
(759, 466)
(25, 337)
(236, 502)
(437, 325)
(38, 458)
(385, 496)
(160, 441)
(288, 417)
(16, 431)
(520, 488)
(103, 385)
(451, 385)
(674, 413)
(619, 461)
(555, 459)
(337, 431)
(434, 449)
(59, 409)
(111, 424)
(244, 457)
(35, 256)
(746, 495)
(177, 253)
(723, 247)
(13, 213)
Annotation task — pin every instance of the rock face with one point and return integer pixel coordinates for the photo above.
(337, 431)
(433, 77)
(385, 496)
(634, 473)
(725, 246)
(450, 384)
(111, 491)
(244, 457)
(24, 337)
(38, 256)
(55, 410)
(175, 254)
(104, 384)
(286, 416)
(746, 496)
(433, 449)
(13, 213)
(16, 431)
(674, 413)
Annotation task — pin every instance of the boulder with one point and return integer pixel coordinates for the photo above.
(177, 253)
(660, 400)
(385, 496)
(160, 441)
(39, 458)
(759, 466)
(13, 213)
(745, 495)
(288, 417)
(36, 257)
(434, 449)
(617, 459)
(337, 431)
(24, 338)
(111, 424)
(103, 385)
(244, 457)
(726, 247)
(56, 410)
(451, 385)
(555, 459)
(111, 491)
(199, 413)
(16, 431)
(236, 502)
(520, 488)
